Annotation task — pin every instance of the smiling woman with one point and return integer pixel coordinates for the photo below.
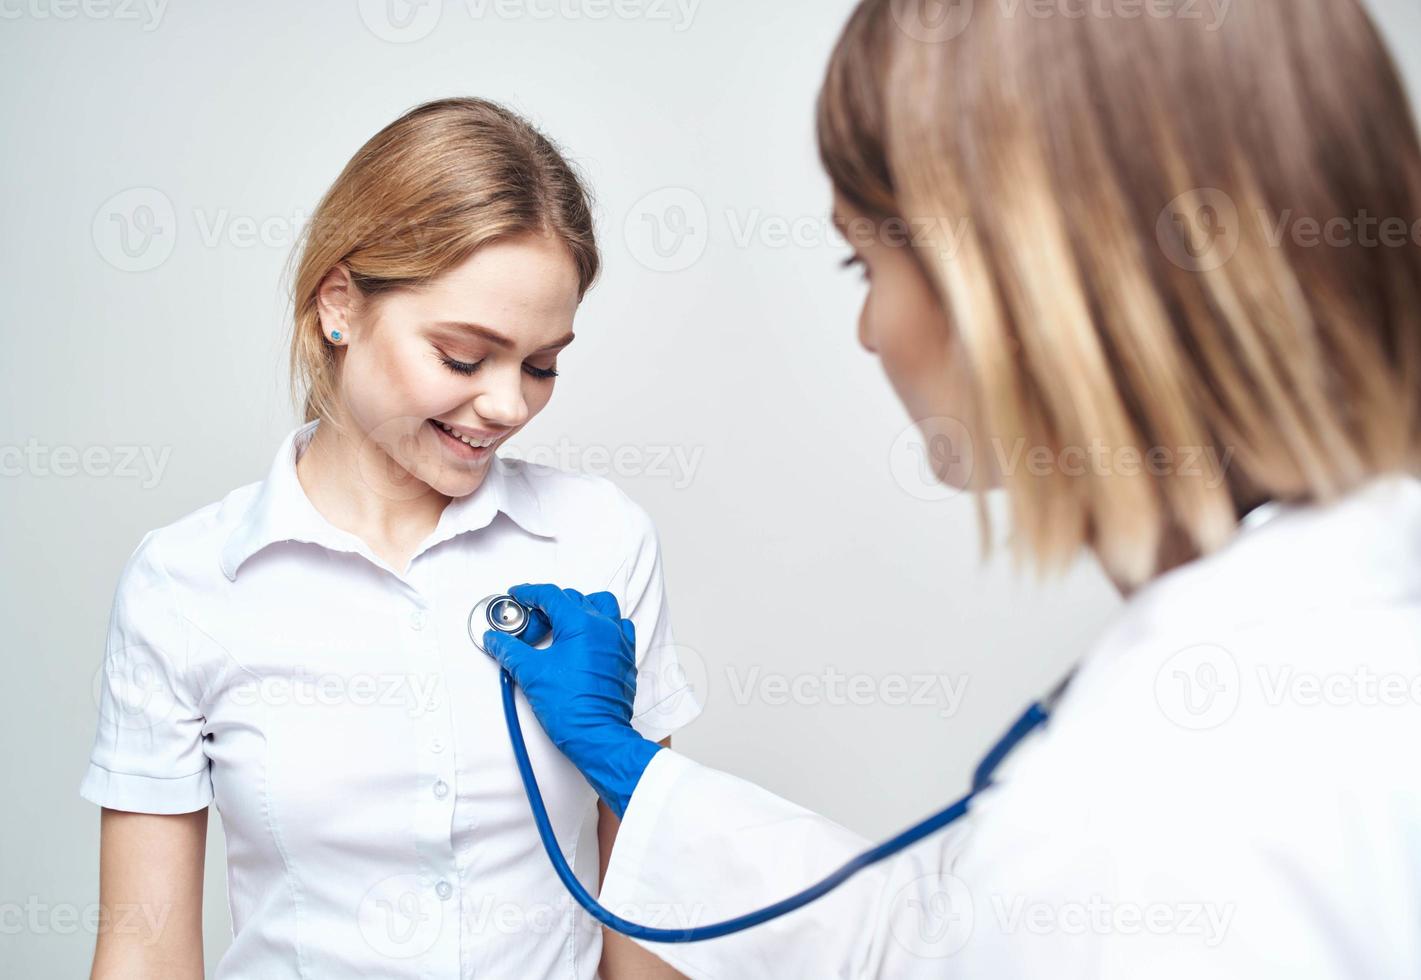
(434, 293)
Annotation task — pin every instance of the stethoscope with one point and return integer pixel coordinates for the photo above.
(506, 615)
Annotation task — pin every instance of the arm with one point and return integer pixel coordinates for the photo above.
(701, 846)
(713, 846)
(150, 896)
(623, 959)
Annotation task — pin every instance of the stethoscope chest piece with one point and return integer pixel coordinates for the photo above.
(497, 612)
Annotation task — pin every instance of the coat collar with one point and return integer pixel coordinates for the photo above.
(281, 511)
(1287, 559)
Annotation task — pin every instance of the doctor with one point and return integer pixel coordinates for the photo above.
(1177, 261)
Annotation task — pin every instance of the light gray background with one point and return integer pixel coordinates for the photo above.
(793, 552)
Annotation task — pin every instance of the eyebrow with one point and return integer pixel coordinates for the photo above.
(497, 338)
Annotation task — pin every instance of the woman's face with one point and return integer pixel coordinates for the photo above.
(475, 349)
(904, 324)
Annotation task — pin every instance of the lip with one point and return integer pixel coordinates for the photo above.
(463, 449)
(471, 433)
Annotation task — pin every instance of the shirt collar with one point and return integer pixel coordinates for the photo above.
(281, 511)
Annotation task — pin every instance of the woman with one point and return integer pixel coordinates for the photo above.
(1180, 242)
(298, 652)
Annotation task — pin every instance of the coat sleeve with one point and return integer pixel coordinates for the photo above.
(698, 846)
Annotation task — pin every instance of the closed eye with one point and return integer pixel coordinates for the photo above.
(461, 367)
(466, 368)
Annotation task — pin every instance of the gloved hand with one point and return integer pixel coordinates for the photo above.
(582, 686)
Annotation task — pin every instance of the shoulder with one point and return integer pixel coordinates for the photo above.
(186, 552)
(582, 504)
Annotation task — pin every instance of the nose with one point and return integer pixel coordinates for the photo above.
(501, 401)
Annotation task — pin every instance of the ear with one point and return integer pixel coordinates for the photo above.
(337, 302)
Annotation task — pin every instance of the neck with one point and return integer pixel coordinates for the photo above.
(355, 484)
(1175, 551)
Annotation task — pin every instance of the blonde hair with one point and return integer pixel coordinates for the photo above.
(1084, 162)
(444, 179)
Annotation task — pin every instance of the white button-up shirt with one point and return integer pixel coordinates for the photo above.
(1228, 788)
(352, 737)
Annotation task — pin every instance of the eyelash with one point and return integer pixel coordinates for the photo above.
(466, 369)
(854, 260)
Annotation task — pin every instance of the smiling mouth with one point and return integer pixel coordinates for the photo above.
(466, 446)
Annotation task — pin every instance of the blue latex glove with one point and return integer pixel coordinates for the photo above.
(581, 687)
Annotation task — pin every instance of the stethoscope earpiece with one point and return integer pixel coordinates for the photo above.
(497, 612)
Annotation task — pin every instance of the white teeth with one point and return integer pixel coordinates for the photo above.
(477, 443)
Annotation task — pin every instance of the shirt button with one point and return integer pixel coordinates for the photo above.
(443, 889)
(417, 619)
(436, 745)
(441, 788)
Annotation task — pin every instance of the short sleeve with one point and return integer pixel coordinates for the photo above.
(148, 754)
(665, 698)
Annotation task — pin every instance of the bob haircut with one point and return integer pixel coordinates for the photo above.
(1176, 237)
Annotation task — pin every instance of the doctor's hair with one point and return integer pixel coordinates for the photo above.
(1111, 212)
(424, 193)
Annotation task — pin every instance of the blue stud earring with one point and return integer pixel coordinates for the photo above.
(335, 335)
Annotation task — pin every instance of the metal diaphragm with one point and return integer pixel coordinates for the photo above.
(497, 612)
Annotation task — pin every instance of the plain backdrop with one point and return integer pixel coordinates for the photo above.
(853, 650)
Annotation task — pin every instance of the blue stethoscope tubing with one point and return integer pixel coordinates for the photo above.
(1034, 716)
